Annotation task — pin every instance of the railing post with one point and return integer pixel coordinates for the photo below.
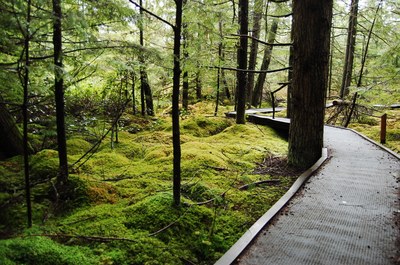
(383, 128)
(273, 104)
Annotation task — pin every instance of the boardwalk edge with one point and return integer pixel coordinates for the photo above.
(234, 252)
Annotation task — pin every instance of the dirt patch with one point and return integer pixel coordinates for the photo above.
(277, 166)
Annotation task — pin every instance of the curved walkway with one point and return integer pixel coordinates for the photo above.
(345, 213)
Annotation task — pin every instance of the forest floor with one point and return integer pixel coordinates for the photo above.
(119, 204)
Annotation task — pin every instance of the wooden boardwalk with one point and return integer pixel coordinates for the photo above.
(345, 213)
(255, 116)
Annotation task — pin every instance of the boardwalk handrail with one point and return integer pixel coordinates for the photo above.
(273, 97)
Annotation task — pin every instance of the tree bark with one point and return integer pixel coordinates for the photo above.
(175, 106)
(242, 62)
(290, 78)
(25, 116)
(312, 21)
(133, 93)
(265, 65)
(351, 41)
(199, 95)
(146, 96)
(185, 81)
(257, 14)
(62, 177)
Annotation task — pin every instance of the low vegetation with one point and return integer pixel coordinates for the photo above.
(118, 208)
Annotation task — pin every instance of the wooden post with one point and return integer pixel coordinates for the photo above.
(383, 128)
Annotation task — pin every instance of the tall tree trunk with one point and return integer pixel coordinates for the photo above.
(257, 95)
(242, 62)
(175, 105)
(25, 116)
(290, 79)
(351, 41)
(185, 88)
(185, 81)
(199, 95)
(257, 14)
(225, 83)
(222, 59)
(364, 57)
(146, 96)
(62, 177)
(133, 93)
(312, 21)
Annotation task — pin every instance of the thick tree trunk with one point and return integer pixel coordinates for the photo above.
(256, 100)
(257, 14)
(242, 62)
(62, 177)
(351, 41)
(175, 106)
(290, 78)
(311, 29)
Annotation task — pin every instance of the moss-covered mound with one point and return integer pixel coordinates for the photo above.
(117, 207)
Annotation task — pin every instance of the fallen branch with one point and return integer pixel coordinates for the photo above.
(88, 238)
(270, 181)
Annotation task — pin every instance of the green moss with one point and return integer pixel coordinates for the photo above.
(77, 146)
(125, 192)
(370, 126)
(201, 126)
(43, 251)
(44, 164)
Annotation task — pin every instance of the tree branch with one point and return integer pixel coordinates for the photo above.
(271, 181)
(251, 71)
(152, 14)
(263, 42)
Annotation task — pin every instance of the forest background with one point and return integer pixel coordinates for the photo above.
(105, 69)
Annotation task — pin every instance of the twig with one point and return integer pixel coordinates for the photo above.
(270, 181)
(89, 238)
(171, 224)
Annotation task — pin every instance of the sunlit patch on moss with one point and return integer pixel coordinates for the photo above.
(77, 146)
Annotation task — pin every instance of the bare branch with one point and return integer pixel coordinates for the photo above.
(251, 71)
(152, 14)
(263, 42)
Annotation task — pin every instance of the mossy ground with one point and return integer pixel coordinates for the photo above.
(126, 193)
(371, 127)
